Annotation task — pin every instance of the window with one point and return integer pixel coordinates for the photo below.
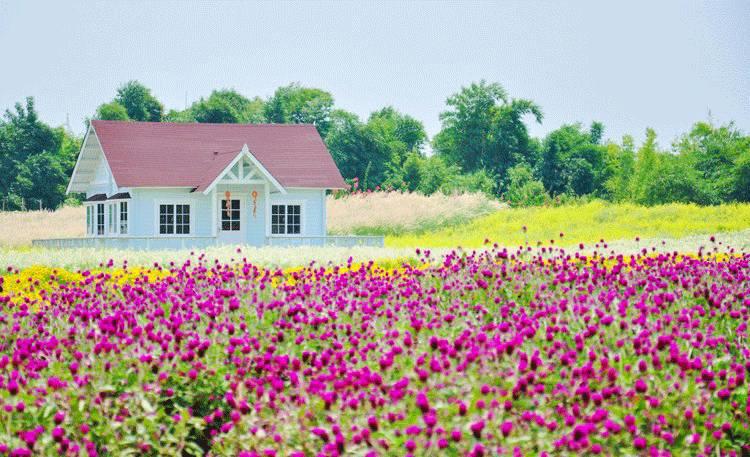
(286, 219)
(174, 219)
(100, 219)
(182, 221)
(230, 215)
(89, 220)
(112, 219)
(123, 218)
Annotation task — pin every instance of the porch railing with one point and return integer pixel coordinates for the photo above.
(333, 240)
(130, 242)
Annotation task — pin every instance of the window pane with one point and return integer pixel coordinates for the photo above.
(100, 219)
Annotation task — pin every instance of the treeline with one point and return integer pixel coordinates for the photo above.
(483, 145)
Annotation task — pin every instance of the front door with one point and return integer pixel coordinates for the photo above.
(232, 220)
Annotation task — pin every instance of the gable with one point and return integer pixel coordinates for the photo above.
(150, 154)
(243, 169)
(91, 173)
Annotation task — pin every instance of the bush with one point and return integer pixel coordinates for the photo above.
(523, 189)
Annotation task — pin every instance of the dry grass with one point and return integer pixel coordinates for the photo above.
(18, 228)
(395, 213)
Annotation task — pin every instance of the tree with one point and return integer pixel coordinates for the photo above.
(228, 106)
(620, 161)
(646, 163)
(573, 162)
(294, 104)
(112, 111)
(22, 135)
(35, 160)
(523, 189)
(138, 102)
(483, 129)
(713, 151)
(741, 177)
(355, 151)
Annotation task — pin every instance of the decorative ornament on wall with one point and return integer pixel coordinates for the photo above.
(254, 194)
(227, 203)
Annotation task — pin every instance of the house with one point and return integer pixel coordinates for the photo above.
(170, 185)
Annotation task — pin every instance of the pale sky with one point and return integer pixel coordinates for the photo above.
(629, 64)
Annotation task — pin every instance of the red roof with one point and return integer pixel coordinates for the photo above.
(163, 154)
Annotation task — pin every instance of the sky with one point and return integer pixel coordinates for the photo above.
(631, 65)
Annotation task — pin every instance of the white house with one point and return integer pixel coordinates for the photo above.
(165, 185)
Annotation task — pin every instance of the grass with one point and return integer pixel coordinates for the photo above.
(584, 223)
(18, 228)
(24, 257)
(414, 221)
(396, 213)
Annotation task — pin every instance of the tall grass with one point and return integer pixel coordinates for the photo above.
(393, 213)
(585, 223)
(18, 228)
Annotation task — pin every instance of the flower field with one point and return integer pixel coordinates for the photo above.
(522, 352)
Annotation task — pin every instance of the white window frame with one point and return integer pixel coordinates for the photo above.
(104, 218)
(119, 217)
(302, 213)
(112, 218)
(90, 219)
(191, 225)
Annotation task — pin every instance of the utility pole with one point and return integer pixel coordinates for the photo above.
(40, 203)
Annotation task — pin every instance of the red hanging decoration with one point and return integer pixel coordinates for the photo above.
(254, 194)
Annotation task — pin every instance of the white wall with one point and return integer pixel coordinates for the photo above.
(144, 216)
(313, 208)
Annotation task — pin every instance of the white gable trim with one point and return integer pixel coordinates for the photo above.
(76, 171)
(245, 152)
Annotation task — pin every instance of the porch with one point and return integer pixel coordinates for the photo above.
(201, 242)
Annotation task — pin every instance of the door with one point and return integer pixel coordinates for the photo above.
(232, 221)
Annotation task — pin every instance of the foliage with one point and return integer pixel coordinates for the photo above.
(573, 161)
(355, 150)
(483, 129)
(112, 111)
(221, 107)
(35, 159)
(294, 104)
(484, 136)
(523, 189)
(139, 103)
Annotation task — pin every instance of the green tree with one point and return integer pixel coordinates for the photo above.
(22, 135)
(620, 161)
(355, 150)
(139, 103)
(483, 129)
(646, 168)
(112, 111)
(573, 162)
(294, 104)
(741, 178)
(712, 152)
(228, 106)
(523, 188)
(35, 160)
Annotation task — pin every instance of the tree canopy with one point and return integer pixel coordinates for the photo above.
(483, 145)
